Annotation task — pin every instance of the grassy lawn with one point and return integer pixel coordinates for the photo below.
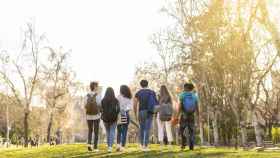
(80, 151)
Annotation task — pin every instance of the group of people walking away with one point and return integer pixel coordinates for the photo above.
(115, 114)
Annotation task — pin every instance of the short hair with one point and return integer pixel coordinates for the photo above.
(144, 83)
(93, 85)
(188, 86)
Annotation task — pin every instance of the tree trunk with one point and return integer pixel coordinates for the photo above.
(26, 115)
(8, 126)
(49, 128)
(201, 133)
(215, 129)
(243, 136)
(208, 126)
(258, 131)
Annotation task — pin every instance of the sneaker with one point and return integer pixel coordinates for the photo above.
(183, 148)
(96, 150)
(110, 149)
(146, 149)
(122, 149)
(118, 147)
(89, 148)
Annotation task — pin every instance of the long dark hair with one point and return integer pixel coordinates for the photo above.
(125, 91)
(109, 97)
(164, 95)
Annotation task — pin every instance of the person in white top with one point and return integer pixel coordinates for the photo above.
(164, 116)
(92, 106)
(125, 100)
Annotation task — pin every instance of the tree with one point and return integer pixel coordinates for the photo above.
(229, 56)
(55, 85)
(21, 74)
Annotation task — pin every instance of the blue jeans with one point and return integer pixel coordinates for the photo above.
(110, 132)
(122, 132)
(145, 127)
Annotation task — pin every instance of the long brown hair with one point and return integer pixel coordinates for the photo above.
(109, 97)
(164, 95)
(125, 91)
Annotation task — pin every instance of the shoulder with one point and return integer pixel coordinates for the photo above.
(153, 92)
(138, 93)
(119, 97)
(195, 96)
(181, 95)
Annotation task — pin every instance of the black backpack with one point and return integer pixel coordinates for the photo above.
(110, 111)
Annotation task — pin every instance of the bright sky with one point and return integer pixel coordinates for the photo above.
(107, 37)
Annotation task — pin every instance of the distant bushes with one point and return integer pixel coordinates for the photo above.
(275, 132)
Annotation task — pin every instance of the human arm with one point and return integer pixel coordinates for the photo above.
(135, 107)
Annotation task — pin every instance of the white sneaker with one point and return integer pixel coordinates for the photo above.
(118, 147)
(146, 149)
(96, 150)
(110, 149)
(122, 149)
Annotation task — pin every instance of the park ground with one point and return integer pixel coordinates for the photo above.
(80, 151)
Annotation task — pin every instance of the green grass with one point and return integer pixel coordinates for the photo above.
(80, 151)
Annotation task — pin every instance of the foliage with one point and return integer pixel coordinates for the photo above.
(275, 134)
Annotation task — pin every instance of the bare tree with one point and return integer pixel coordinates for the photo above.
(21, 75)
(55, 84)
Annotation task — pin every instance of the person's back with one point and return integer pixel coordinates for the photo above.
(110, 111)
(143, 96)
(125, 100)
(164, 116)
(92, 108)
(144, 103)
(188, 106)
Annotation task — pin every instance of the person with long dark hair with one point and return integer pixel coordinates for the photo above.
(125, 100)
(165, 116)
(110, 111)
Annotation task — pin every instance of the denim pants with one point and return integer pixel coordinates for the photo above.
(187, 123)
(122, 132)
(110, 132)
(145, 126)
(93, 124)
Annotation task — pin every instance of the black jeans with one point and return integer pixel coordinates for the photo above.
(93, 124)
(187, 122)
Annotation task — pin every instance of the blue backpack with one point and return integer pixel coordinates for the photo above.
(152, 102)
(189, 103)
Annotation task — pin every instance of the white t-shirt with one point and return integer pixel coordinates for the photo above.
(125, 103)
(98, 100)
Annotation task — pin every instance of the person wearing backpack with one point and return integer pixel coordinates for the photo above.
(92, 107)
(125, 106)
(165, 116)
(144, 107)
(188, 106)
(110, 110)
